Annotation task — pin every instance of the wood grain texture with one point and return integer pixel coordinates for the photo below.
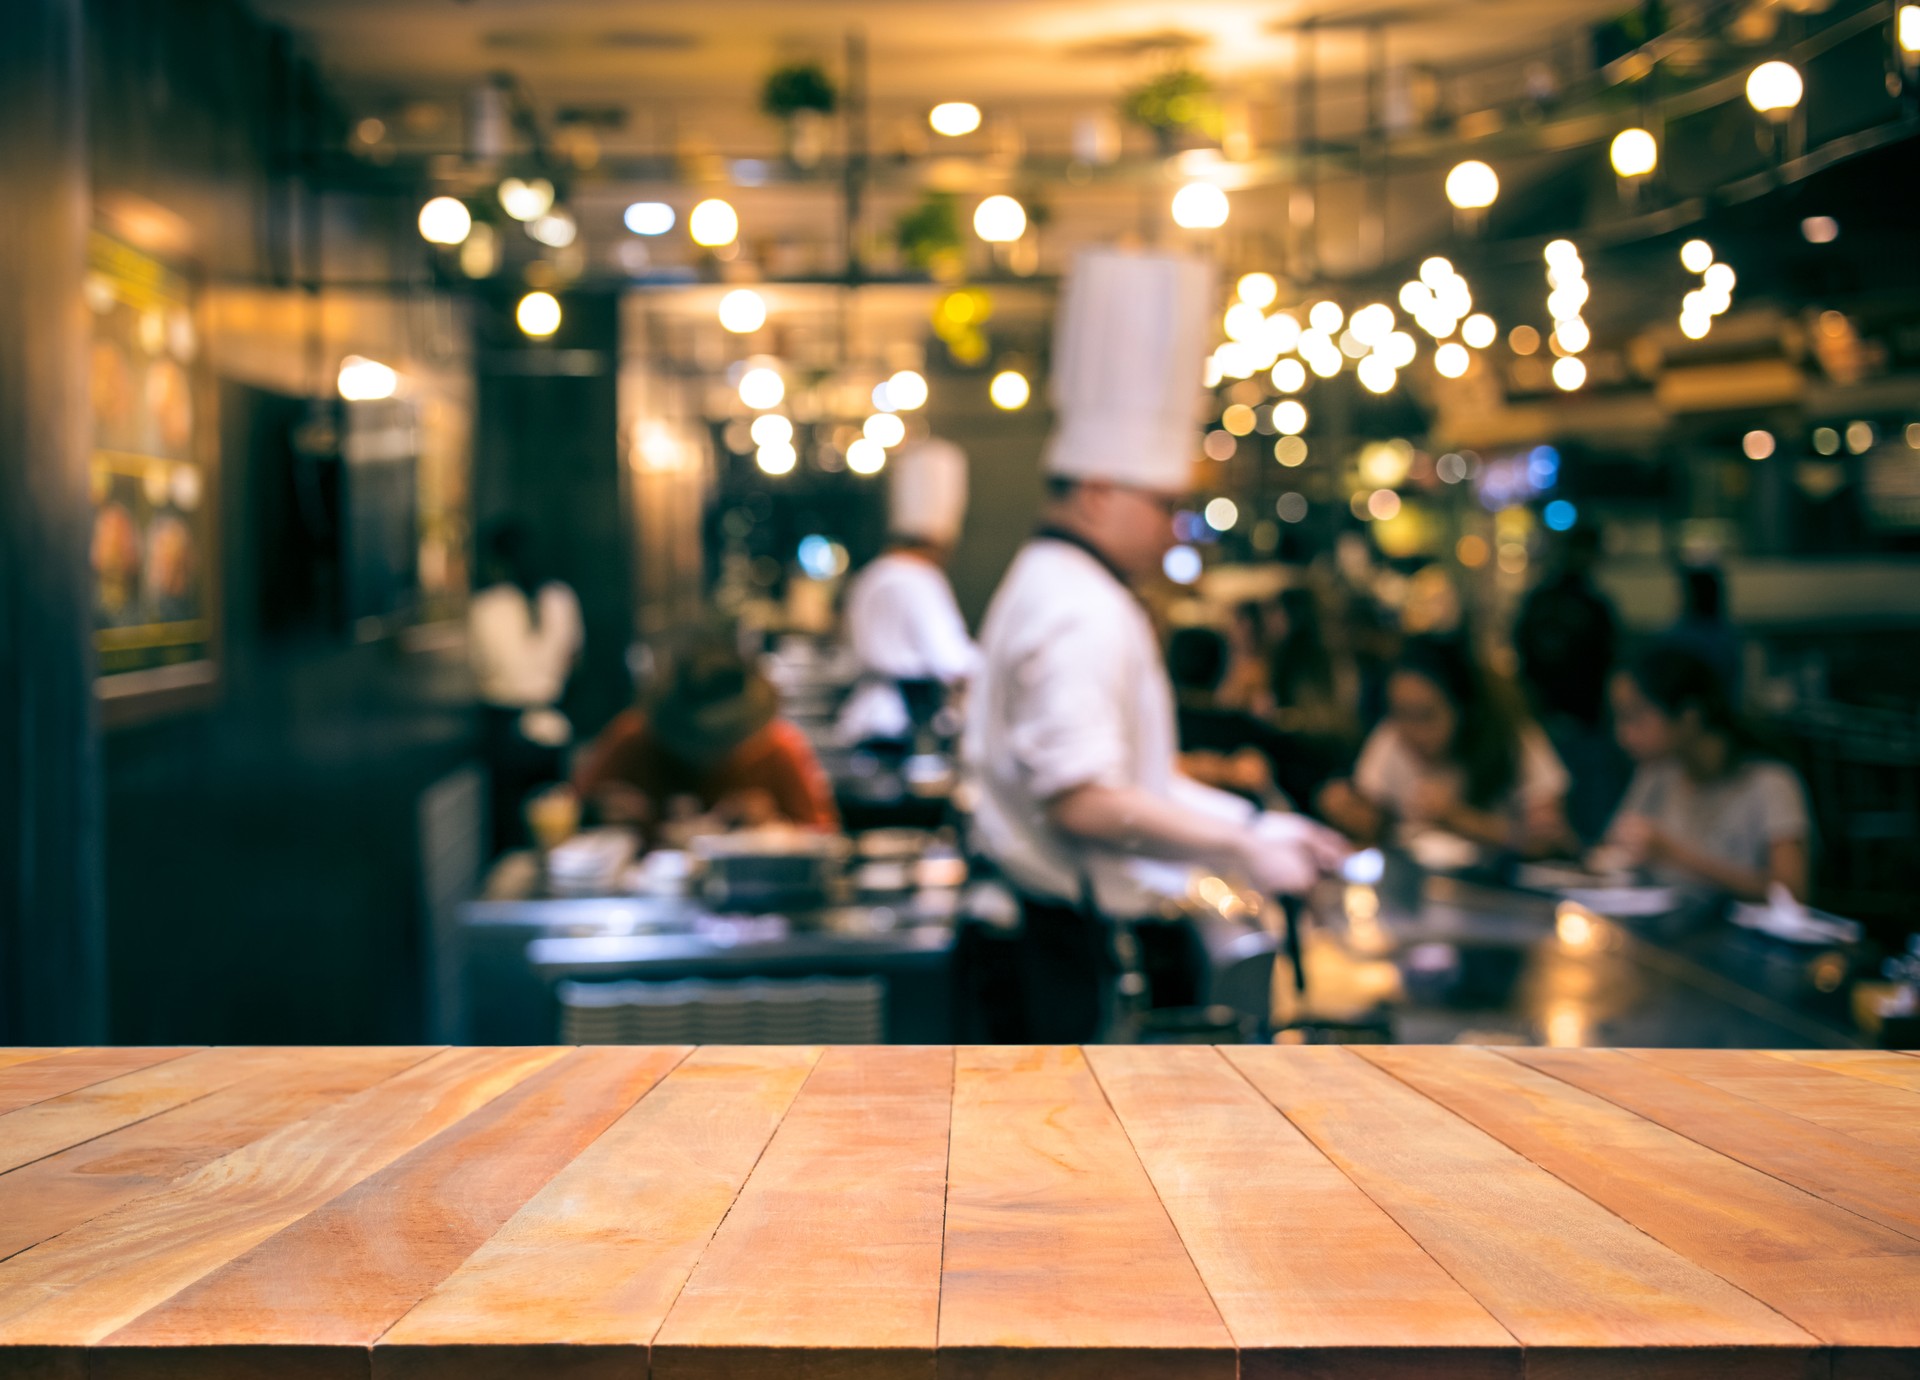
(82, 1285)
(45, 1127)
(1883, 1066)
(1583, 1291)
(1846, 1280)
(1311, 1277)
(829, 1263)
(57, 1193)
(36, 1080)
(1060, 1260)
(332, 1283)
(1856, 1107)
(578, 1282)
(1863, 1178)
(26, 1054)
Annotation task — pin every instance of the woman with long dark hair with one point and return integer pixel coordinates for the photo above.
(1707, 804)
(1454, 752)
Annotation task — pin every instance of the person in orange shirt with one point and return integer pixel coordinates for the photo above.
(710, 742)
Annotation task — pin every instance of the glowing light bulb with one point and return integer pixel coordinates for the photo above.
(1569, 373)
(1573, 335)
(1907, 29)
(1472, 185)
(907, 391)
(885, 429)
(1289, 418)
(954, 118)
(999, 220)
(1377, 373)
(1257, 289)
(1479, 330)
(366, 380)
(1243, 321)
(1200, 206)
(538, 314)
(777, 457)
(1774, 88)
(1009, 390)
(713, 223)
(771, 429)
(1696, 256)
(866, 456)
(743, 311)
(762, 387)
(526, 200)
(445, 220)
(1634, 153)
(1718, 278)
(1451, 360)
(1289, 376)
(1326, 317)
(649, 218)
(1221, 514)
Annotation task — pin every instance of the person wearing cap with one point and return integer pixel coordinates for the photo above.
(709, 742)
(903, 623)
(1071, 737)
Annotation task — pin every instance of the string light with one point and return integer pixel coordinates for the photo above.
(954, 118)
(1472, 186)
(1200, 206)
(445, 220)
(999, 220)
(538, 314)
(1009, 390)
(1257, 290)
(713, 223)
(743, 311)
(1569, 373)
(1634, 153)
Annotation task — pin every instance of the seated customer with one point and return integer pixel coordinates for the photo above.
(1454, 752)
(1219, 746)
(1705, 805)
(709, 743)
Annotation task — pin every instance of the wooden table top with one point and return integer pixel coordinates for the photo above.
(862, 1213)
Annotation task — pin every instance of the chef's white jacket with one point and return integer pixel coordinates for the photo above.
(519, 663)
(903, 623)
(1072, 692)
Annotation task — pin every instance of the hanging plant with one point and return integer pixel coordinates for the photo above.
(797, 87)
(929, 235)
(1180, 101)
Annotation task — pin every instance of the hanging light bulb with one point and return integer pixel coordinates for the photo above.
(1257, 289)
(1009, 390)
(954, 118)
(1472, 186)
(445, 220)
(1634, 153)
(1774, 89)
(713, 223)
(1200, 206)
(526, 200)
(743, 311)
(1000, 220)
(1451, 360)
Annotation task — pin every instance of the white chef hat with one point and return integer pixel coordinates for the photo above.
(1129, 356)
(928, 491)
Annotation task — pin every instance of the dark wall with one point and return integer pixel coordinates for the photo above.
(546, 454)
(262, 854)
(52, 949)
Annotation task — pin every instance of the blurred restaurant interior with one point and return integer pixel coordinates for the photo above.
(501, 503)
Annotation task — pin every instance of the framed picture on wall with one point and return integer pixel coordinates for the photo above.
(155, 533)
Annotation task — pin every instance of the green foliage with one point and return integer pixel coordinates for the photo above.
(930, 231)
(1180, 99)
(796, 87)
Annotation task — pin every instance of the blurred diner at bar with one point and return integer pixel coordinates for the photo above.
(1243, 522)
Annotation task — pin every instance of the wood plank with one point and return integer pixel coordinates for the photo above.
(1864, 1178)
(578, 1282)
(38, 1079)
(82, 1285)
(1846, 1280)
(52, 1195)
(1883, 1066)
(26, 1054)
(1311, 1277)
(46, 1127)
(1868, 1111)
(330, 1284)
(1584, 1292)
(829, 1263)
(1060, 1261)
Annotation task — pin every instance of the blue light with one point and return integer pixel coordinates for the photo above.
(1561, 515)
(1543, 467)
(649, 217)
(1182, 565)
(1188, 526)
(817, 557)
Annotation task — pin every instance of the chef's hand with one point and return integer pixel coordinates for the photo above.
(1286, 854)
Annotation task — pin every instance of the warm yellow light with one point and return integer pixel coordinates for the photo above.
(713, 223)
(1243, 322)
(1634, 153)
(884, 428)
(1757, 444)
(556, 229)
(1569, 373)
(1289, 376)
(907, 391)
(1009, 390)
(742, 311)
(366, 380)
(1257, 289)
(1377, 373)
(762, 388)
(954, 118)
(771, 429)
(528, 200)
(445, 220)
(1326, 317)
(1289, 418)
(1450, 360)
(1383, 504)
(1572, 334)
(1907, 29)
(1238, 419)
(1695, 325)
(1774, 88)
(1372, 323)
(866, 456)
(1696, 256)
(1718, 279)
(1291, 451)
(1200, 206)
(1523, 340)
(1472, 185)
(1479, 331)
(1435, 272)
(999, 220)
(1398, 349)
(538, 314)
(776, 457)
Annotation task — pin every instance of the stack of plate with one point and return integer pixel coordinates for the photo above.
(789, 1013)
(850, 1010)
(593, 1013)
(661, 1013)
(754, 1011)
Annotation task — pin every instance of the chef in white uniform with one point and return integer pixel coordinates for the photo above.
(902, 620)
(1071, 736)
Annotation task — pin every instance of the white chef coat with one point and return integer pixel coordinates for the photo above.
(903, 624)
(517, 663)
(1073, 692)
